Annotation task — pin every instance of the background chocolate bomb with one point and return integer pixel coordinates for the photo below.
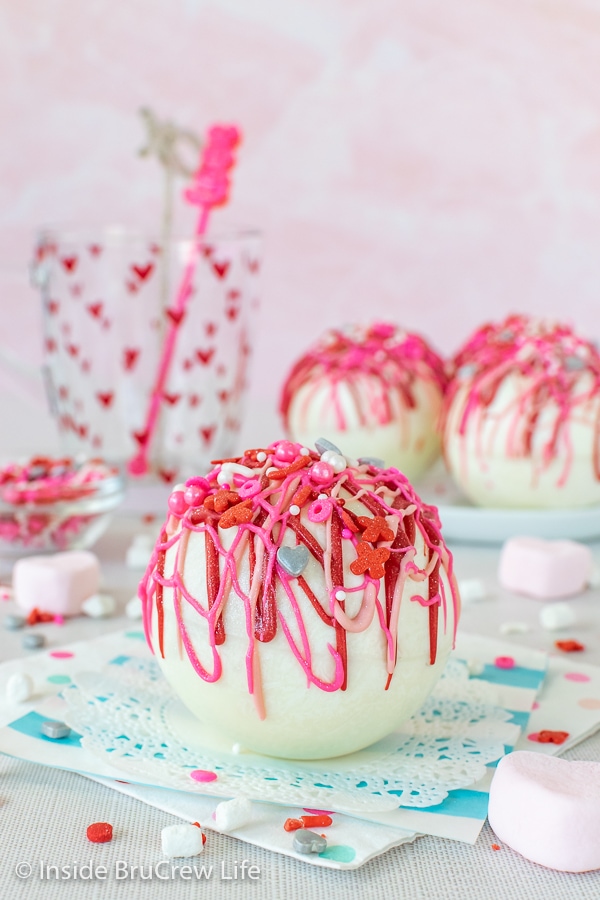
(373, 390)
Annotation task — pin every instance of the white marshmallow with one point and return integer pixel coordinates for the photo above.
(139, 552)
(475, 666)
(556, 616)
(594, 579)
(99, 606)
(514, 628)
(133, 609)
(181, 840)
(19, 688)
(471, 590)
(233, 814)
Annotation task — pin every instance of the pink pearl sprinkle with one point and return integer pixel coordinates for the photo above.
(346, 533)
(504, 662)
(320, 510)
(203, 775)
(194, 495)
(177, 503)
(322, 473)
(286, 451)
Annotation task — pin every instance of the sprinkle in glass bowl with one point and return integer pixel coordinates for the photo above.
(52, 504)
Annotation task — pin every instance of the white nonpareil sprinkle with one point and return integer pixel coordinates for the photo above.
(294, 510)
(19, 688)
(133, 609)
(99, 606)
(233, 814)
(304, 451)
(181, 840)
(514, 628)
(555, 616)
(323, 497)
(340, 595)
(471, 590)
(261, 457)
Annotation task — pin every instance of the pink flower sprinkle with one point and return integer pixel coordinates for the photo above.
(203, 775)
(504, 662)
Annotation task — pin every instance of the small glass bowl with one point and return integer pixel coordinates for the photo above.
(49, 505)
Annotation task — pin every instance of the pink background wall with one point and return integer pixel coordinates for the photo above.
(429, 162)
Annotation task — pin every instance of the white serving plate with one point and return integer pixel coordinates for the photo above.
(461, 521)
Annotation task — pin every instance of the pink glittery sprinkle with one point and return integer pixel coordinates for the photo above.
(504, 662)
(62, 654)
(346, 533)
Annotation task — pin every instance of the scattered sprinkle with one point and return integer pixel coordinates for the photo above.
(99, 832)
(340, 595)
(569, 646)
(203, 775)
(294, 510)
(261, 457)
(56, 731)
(504, 662)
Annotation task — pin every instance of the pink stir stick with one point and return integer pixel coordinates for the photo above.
(210, 189)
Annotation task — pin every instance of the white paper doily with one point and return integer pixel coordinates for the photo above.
(129, 716)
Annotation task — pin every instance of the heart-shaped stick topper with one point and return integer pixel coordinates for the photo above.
(210, 188)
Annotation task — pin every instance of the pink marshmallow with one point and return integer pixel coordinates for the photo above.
(548, 810)
(56, 584)
(544, 569)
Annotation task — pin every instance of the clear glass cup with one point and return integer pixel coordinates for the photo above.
(107, 299)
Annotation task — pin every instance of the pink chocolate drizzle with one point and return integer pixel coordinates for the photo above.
(287, 483)
(395, 357)
(553, 360)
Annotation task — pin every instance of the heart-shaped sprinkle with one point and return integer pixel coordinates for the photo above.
(372, 461)
(322, 445)
(293, 560)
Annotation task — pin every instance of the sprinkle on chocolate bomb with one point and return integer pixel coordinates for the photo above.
(308, 546)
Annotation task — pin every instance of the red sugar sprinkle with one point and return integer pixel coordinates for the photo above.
(292, 824)
(569, 646)
(550, 737)
(99, 832)
(496, 847)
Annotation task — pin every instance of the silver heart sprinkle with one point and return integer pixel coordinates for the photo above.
(574, 364)
(372, 461)
(306, 841)
(293, 559)
(322, 445)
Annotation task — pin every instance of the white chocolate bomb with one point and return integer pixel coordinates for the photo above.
(523, 417)
(301, 664)
(377, 390)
